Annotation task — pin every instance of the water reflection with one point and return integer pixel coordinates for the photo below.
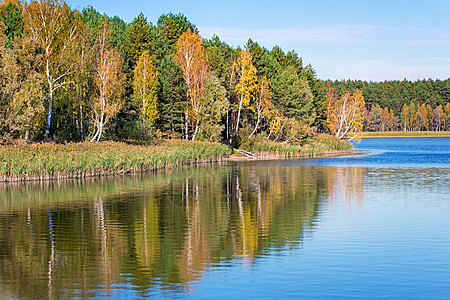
(346, 184)
(159, 233)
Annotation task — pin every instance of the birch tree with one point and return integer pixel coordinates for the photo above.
(109, 81)
(51, 23)
(438, 117)
(190, 56)
(275, 121)
(404, 117)
(262, 106)
(423, 117)
(345, 114)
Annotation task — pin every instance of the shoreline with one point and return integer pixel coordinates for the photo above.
(261, 156)
(52, 162)
(109, 173)
(403, 134)
(274, 156)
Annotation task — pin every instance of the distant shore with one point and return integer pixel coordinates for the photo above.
(394, 134)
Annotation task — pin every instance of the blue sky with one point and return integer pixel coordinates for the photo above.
(368, 40)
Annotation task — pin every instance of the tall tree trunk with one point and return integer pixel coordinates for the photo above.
(279, 132)
(227, 125)
(102, 119)
(81, 114)
(254, 130)
(27, 132)
(271, 130)
(195, 131)
(186, 127)
(81, 122)
(96, 123)
(239, 116)
(49, 117)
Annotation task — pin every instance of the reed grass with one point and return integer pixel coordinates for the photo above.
(319, 145)
(79, 160)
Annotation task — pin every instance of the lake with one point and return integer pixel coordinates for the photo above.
(371, 225)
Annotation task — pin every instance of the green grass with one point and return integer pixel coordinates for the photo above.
(386, 134)
(76, 160)
(320, 144)
(79, 160)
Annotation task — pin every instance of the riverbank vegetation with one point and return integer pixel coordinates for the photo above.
(320, 144)
(70, 76)
(79, 160)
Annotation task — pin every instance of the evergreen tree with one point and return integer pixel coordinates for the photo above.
(11, 15)
(138, 39)
(292, 96)
(174, 25)
(171, 96)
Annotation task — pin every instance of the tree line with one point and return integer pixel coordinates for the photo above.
(402, 105)
(69, 75)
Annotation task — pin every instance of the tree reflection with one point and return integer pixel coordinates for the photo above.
(346, 184)
(158, 231)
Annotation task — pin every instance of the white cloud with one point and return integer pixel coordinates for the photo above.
(332, 35)
(380, 70)
(319, 35)
(372, 53)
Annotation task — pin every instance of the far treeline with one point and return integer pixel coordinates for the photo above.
(422, 105)
(67, 75)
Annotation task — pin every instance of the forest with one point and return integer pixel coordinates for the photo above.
(402, 105)
(69, 75)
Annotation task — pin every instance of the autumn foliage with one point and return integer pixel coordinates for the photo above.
(189, 55)
(246, 82)
(345, 113)
(109, 81)
(75, 75)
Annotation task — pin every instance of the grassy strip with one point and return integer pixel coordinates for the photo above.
(52, 161)
(319, 145)
(80, 160)
(388, 134)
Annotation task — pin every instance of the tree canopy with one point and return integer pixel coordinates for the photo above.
(69, 75)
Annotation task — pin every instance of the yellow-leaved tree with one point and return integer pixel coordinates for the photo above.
(190, 56)
(345, 114)
(246, 86)
(423, 117)
(275, 123)
(53, 25)
(109, 81)
(447, 117)
(145, 87)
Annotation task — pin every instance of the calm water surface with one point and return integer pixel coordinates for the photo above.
(372, 225)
